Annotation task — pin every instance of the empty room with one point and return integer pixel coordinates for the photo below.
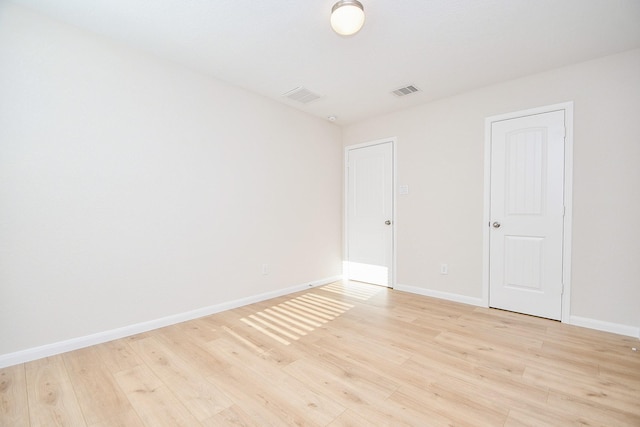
(319, 213)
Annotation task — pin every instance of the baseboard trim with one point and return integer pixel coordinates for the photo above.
(441, 295)
(47, 350)
(600, 325)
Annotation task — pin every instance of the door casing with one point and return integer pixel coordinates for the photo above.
(393, 141)
(567, 107)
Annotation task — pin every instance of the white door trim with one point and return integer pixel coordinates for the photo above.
(345, 230)
(567, 107)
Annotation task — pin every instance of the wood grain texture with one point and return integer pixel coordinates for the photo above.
(201, 397)
(339, 355)
(154, 402)
(52, 398)
(91, 378)
(14, 406)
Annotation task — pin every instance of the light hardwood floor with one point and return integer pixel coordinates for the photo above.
(337, 355)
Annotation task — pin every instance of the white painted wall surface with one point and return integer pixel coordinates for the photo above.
(133, 189)
(440, 157)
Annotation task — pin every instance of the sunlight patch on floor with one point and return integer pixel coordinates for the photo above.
(359, 291)
(295, 318)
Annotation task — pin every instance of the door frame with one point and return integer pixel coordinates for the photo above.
(345, 222)
(567, 108)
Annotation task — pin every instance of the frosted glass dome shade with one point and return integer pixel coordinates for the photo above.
(347, 17)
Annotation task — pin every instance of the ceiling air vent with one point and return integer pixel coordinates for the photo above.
(302, 95)
(407, 90)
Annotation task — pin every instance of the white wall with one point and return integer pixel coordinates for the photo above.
(440, 157)
(132, 189)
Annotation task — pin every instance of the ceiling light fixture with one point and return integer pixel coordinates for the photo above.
(347, 17)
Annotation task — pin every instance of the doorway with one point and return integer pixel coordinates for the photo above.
(528, 164)
(370, 212)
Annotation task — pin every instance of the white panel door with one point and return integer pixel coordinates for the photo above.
(527, 214)
(369, 214)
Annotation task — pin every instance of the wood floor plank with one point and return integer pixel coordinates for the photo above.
(299, 396)
(531, 418)
(191, 351)
(348, 387)
(90, 378)
(154, 402)
(610, 395)
(232, 416)
(338, 355)
(495, 395)
(483, 338)
(355, 349)
(117, 355)
(349, 419)
(479, 353)
(129, 418)
(415, 413)
(395, 334)
(589, 412)
(52, 399)
(14, 405)
(262, 400)
(202, 398)
(200, 330)
(599, 352)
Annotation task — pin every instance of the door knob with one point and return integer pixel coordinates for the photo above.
(496, 224)
(388, 222)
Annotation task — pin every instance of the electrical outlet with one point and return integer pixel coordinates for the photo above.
(444, 269)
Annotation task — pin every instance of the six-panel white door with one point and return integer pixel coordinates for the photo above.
(369, 214)
(527, 209)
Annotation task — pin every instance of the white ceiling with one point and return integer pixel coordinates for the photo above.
(443, 47)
